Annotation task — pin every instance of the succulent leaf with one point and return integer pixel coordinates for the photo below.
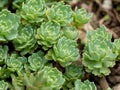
(3, 54)
(117, 48)
(3, 3)
(3, 85)
(17, 82)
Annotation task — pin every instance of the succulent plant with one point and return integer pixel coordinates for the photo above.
(60, 13)
(3, 85)
(81, 17)
(25, 41)
(33, 10)
(71, 74)
(99, 33)
(74, 72)
(15, 63)
(86, 85)
(36, 61)
(52, 31)
(98, 54)
(53, 77)
(117, 48)
(9, 24)
(47, 79)
(3, 54)
(70, 32)
(65, 52)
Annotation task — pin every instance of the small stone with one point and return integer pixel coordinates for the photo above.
(116, 87)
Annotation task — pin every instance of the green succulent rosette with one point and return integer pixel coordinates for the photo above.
(36, 61)
(60, 13)
(65, 52)
(48, 34)
(98, 54)
(99, 33)
(71, 74)
(47, 79)
(15, 62)
(54, 78)
(74, 72)
(25, 41)
(81, 17)
(9, 24)
(3, 85)
(33, 11)
(116, 44)
(3, 54)
(70, 32)
(86, 85)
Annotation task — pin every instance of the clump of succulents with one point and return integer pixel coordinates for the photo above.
(39, 47)
(99, 63)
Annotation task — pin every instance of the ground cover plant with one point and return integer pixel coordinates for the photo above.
(39, 47)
